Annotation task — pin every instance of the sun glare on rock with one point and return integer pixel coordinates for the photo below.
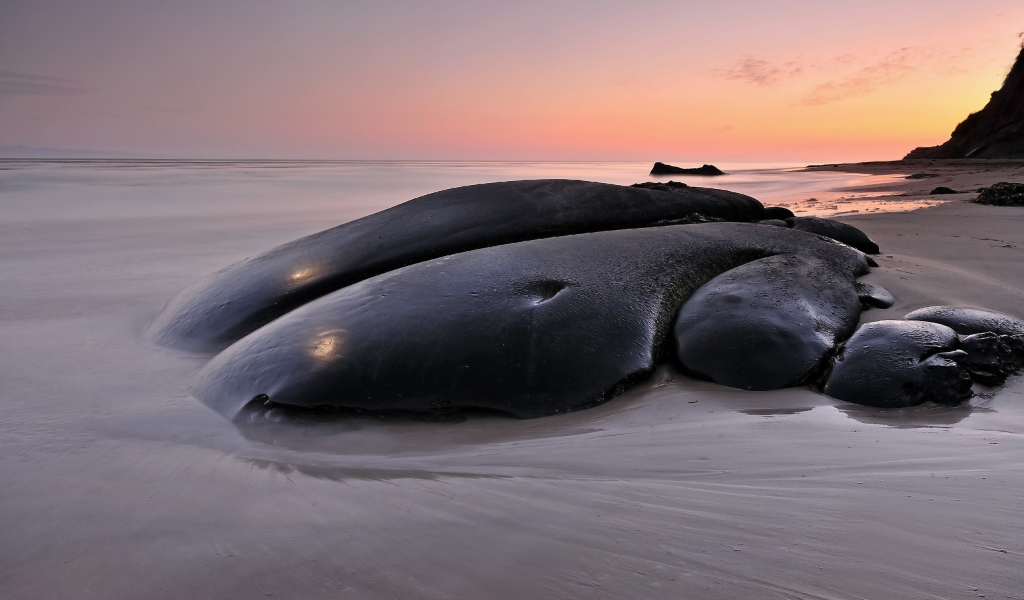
(327, 345)
(302, 275)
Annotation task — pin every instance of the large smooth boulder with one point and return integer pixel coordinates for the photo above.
(900, 363)
(769, 323)
(529, 329)
(228, 304)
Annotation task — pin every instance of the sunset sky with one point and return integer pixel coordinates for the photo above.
(740, 80)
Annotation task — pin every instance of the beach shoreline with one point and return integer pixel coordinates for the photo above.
(117, 484)
(965, 175)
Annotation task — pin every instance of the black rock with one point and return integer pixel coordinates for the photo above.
(944, 190)
(900, 363)
(923, 176)
(663, 169)
(778, 212)
(551, 325)
(841, 232)
(994, 342)
(768, 324)
(666, 186)
(1015, 344)
(968, 321)
(1002, 194)
(991, 357)
(691, 219)
(238, 299)
(874, 296)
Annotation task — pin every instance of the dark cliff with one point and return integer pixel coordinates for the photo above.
(996, 131)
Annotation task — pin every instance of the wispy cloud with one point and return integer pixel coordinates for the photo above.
(760, 72)
(865, 80)
(848, 75)
(27, 84)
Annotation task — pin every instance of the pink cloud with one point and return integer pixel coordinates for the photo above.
(865, 80)
(760, 72)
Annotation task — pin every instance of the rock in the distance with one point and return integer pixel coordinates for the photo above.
(663, 169)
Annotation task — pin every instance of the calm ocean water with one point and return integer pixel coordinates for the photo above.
(345, 190)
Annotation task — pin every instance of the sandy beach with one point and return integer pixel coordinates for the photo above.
(964, 175)
(115, 484)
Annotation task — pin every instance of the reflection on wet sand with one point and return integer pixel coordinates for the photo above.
(344, 432)
(922, 415)
(773, 412)
(339, 474)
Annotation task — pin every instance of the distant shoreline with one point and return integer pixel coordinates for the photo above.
(886, 167)
(964, 175)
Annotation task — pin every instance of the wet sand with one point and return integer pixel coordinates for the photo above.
(115, 484)
(884, 187)
(964, 176)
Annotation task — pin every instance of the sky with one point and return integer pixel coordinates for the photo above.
(728, 80)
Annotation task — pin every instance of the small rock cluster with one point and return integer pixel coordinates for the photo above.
(666, 186)
(991, 357)
(897, 363)
(1002, 194)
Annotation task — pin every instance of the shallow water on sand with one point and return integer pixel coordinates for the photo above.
(114, 483)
